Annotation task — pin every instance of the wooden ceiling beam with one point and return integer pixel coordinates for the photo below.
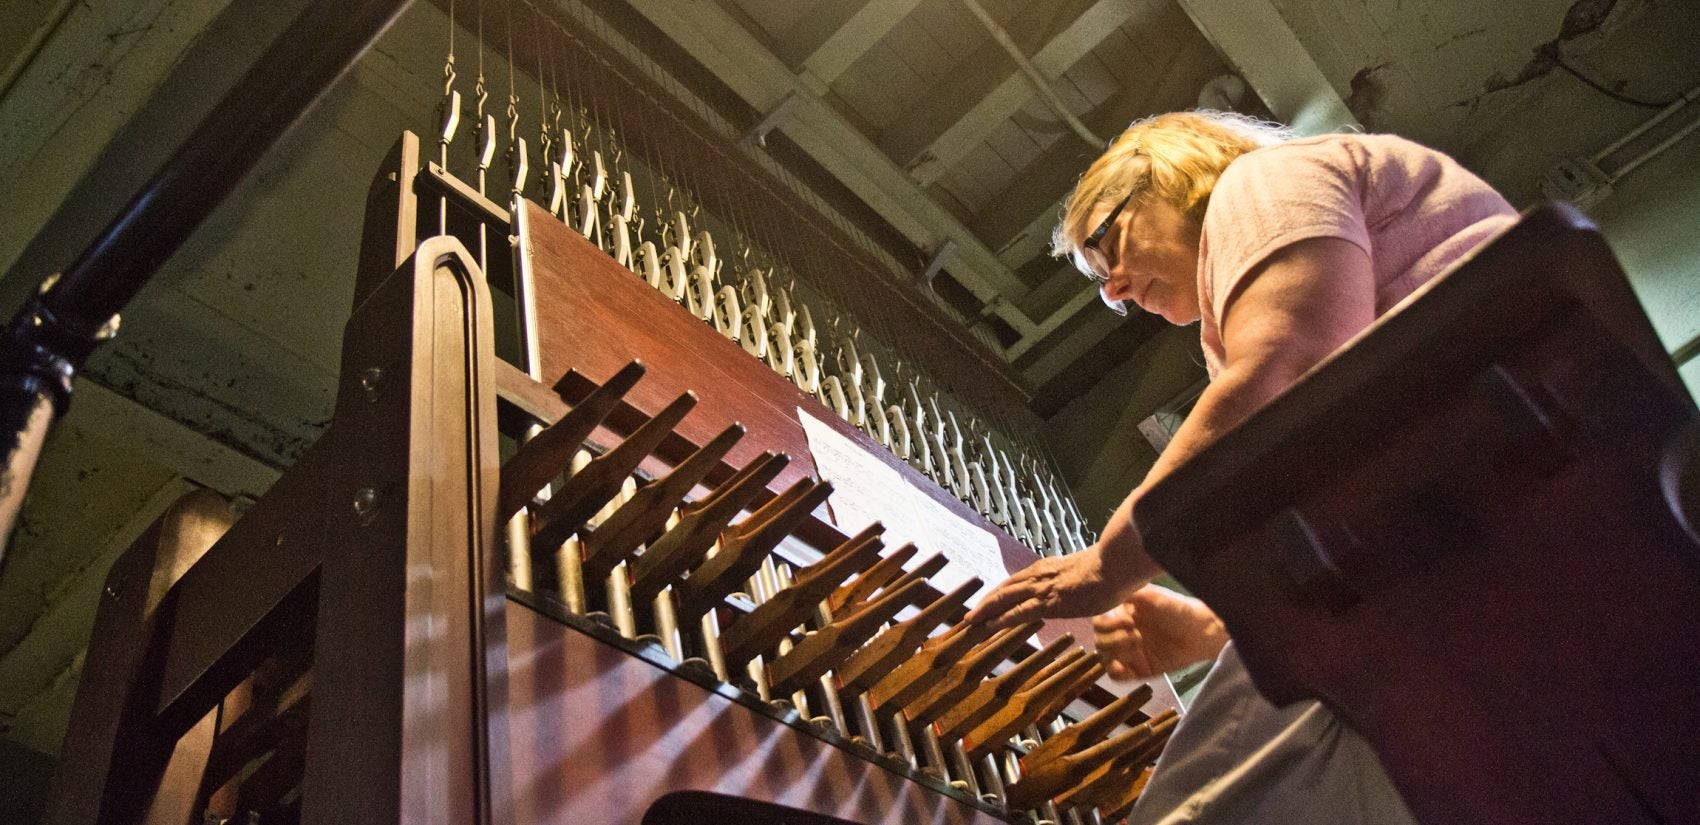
(1094, 24)
(848, 42)
(1263, 49)
(712, 37)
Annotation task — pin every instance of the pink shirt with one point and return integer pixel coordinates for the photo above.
(1415, 211)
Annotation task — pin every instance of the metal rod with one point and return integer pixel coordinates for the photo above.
(569, 570)
(710, 641)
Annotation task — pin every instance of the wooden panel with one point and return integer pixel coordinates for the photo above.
(598, 735)
(594, 317)
(1471, 554)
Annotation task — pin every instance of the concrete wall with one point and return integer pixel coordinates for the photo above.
(1652, 219)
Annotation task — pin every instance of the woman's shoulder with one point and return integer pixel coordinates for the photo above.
(1344, 149)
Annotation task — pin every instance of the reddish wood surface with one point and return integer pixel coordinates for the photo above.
(594, 317)
(598, 735)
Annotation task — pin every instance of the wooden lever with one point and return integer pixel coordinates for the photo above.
(927, 667)
(876, 577)
(1030, 705)
(893, 647)
(1121, 804)
(922, 572)
(644, 516)
(1133, 771)
(963, 716)
(1088, 731)
(966, 675)
(544, 456)
(1065, 759)
(744, 545)
(586, 491)
(823, 649)
(772, 619)
(700, 523)
(1070, 773)
(1116, 763)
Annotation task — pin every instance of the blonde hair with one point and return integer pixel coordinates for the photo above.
(1173, 157)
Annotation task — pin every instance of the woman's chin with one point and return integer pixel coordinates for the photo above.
(1176, 315)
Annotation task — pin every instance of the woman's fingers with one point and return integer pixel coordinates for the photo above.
(1013, 595)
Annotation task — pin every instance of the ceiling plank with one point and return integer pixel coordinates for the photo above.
(1070, 45)
(727, 49)
(1028, 208)
(1088, 294)
(844, 47)
(1259, 44)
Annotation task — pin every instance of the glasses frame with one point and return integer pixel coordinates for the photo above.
(1091, 243)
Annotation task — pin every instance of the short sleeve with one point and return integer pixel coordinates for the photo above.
(1270, 199)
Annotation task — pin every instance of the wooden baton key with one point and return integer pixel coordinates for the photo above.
(644, 516)
(822, 650)
(967, 674)
(928, 666)
(963, 716)
(776, 617)
(1122, 805)
(892, 648)
(744, 545)
(1031, 704)
(685, 544)
(922, 572)
(871, 580)
(1057, 770)
(1107, 775)
(588, 490)
(1088, 731)
(1069, 775)
(548, 453)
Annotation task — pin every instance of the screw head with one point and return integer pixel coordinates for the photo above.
(365, 502)
(370, 380)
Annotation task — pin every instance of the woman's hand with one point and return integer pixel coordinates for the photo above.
(1156, 631)
(1056, 587)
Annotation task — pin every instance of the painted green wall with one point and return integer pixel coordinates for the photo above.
(1652, 219)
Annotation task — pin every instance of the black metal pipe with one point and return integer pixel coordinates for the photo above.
(52, 335)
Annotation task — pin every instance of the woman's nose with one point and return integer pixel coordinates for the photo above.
(1118, 287)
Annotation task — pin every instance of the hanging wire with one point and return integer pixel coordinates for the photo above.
(448, 120)
(485, 133)
(516, 156)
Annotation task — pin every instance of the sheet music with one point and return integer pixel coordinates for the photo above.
(866, 489)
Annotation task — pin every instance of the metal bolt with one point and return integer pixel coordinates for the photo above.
(365, 502)
(370, 380)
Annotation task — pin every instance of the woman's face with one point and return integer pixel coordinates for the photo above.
(1150, 257)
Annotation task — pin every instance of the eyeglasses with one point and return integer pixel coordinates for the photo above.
(1097, 265)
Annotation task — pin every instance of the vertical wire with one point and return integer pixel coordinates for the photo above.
(485, 134)
(448, 122)
(516, 148)
(545, 140)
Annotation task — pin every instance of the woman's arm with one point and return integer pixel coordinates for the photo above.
(1303, 303)
(1294, 309)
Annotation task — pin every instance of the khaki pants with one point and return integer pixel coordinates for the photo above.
(1236, 758)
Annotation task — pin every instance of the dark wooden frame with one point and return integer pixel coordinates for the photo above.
(382, 534)
(1470, 533)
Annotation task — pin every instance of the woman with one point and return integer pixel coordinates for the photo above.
(1282, 249)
